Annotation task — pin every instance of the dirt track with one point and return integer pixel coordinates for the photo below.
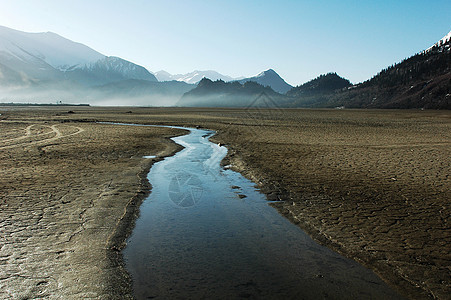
(373, 185)
(37, 134)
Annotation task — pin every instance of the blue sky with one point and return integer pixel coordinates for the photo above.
(298, 39)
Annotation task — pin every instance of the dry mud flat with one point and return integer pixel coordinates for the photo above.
(373, 185)
(64, 190)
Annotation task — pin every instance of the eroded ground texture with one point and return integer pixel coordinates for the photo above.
(64, 189)
(373, 185)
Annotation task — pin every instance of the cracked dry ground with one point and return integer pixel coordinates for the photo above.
(373, 185)
(63, 189)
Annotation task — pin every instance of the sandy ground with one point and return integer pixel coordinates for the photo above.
(373, 185)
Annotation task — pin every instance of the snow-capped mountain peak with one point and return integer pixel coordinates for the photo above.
(442, 41)
(192, 77)
(270, 78)
(445, 39)
(266, 73)
(55, 50)
(162, 75)
(47, 56)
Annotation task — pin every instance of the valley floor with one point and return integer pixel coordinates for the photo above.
(373, 185)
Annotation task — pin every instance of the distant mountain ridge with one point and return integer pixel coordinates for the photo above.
(323, 84)
(40, 58)
(193, 77)
(43, 66)
(266, 78)
(270, 78)
(420, 81)
(57, 51)
(317, 90)
(107, 70)
(219, 93)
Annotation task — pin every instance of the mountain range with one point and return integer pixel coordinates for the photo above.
(46, 67)
(231, 94)
(193, 77)
(266, 78)
(39, 58)
(49, 67)
(270, 78)
(420, 81)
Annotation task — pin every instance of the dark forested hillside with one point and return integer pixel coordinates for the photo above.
(228, 94)
(317, 90)
(421, 81)
(320, 85)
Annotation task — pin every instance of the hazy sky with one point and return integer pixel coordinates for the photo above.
(299, 39)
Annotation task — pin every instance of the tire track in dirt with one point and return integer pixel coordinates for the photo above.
(28, 134)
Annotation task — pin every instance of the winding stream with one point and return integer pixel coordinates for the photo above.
(206, 232)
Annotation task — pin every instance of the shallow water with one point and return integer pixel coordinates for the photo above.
(206, 232)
